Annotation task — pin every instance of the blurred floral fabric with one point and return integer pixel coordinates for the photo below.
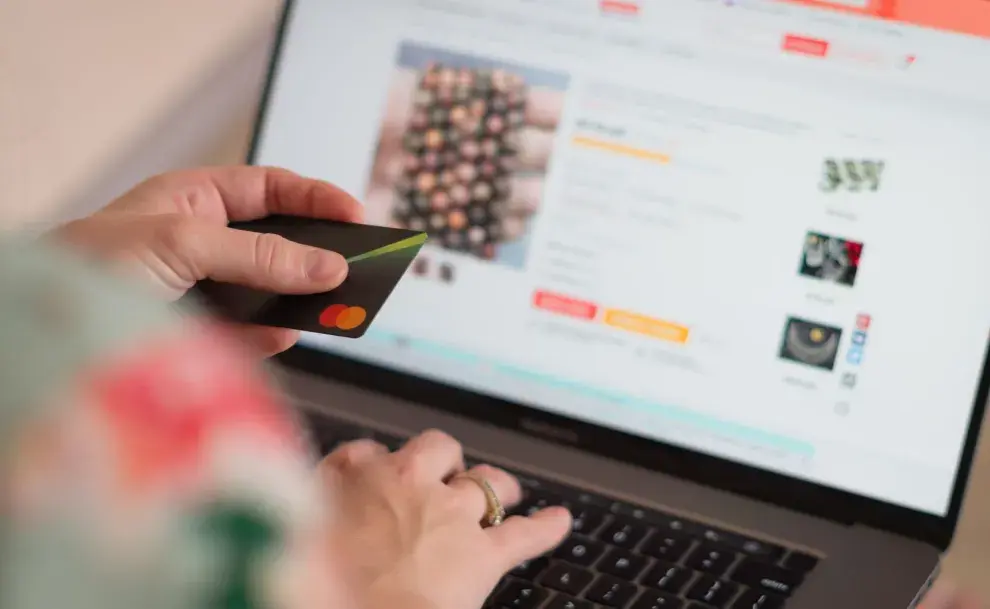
(145, 459)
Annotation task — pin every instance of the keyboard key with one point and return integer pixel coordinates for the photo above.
(679, 525)
(764, 577)
(611, 592)
(580, 551)
(520, 595)
(536, 501)
(667, 577)
(751, 599)
(622, 564)
(718, 536)
(760, 550)
(697, 605)
(740, 543)
(567, 578)
(715, 592)
(667, 545)
(632, 512)
(798, 561)
(532, 483)
(586, 519)
(623, 533)
(562, 601)
(711, 559)
(531, 569)
(527, 482)
(597, 501)
(651, 599)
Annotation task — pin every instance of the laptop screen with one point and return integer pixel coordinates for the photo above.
(754, 229)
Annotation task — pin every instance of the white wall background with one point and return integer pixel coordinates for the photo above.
(95, 94)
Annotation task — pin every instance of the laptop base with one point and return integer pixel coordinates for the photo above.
(860, 568)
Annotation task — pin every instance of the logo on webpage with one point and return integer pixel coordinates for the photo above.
(849, 380)
(855, 356)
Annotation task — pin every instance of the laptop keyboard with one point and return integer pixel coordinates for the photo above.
(624, 556)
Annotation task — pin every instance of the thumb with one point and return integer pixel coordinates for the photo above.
(196, 250)
(520, 538)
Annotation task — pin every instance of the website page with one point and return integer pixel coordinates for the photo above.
(753, 229)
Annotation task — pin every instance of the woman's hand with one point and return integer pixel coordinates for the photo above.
(943, 596)
(172, 230)
(408, 524)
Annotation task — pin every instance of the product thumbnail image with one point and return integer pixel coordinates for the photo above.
(464, 150)
(460, 146)
(810, 343)
(830, 258)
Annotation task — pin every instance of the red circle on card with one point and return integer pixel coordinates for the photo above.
(328, 318)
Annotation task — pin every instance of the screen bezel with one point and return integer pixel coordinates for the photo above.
(778, 489)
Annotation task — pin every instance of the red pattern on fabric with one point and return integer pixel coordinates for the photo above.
(166, 401)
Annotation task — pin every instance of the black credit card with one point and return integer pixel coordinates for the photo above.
(377, 259)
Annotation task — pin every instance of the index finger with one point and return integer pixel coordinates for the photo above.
(229, 194)
(249, 193)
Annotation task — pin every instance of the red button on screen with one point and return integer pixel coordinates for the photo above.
(619, 7)
(565, 305)
(805, 46)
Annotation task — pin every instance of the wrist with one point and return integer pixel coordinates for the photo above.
(388, 595)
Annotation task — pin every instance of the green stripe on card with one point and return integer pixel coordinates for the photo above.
(391, 247)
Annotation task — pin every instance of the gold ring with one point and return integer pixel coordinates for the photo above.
(495, 513)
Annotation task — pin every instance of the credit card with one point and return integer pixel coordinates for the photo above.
(377, 258)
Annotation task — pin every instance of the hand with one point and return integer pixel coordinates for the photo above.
(172, 230)
(543, 111)
(943, 596)
(408, 526)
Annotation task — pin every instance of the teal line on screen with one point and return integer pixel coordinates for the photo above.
(674, 413)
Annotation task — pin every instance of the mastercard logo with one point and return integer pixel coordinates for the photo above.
(342, 317)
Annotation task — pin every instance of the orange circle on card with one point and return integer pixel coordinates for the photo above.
(351, 317)
(330, 315)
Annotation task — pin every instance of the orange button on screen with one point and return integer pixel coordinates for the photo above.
(647, 326)
(564, 305)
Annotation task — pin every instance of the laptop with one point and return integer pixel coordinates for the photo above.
(711, 274)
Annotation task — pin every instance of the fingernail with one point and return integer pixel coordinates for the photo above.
(324, 266)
